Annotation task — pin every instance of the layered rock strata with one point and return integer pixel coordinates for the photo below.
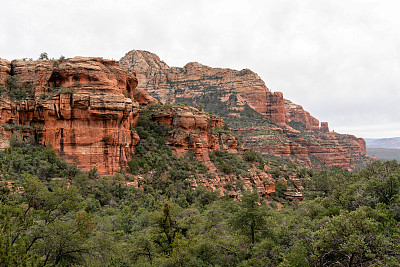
(170, 83)
(83, 107)
(296, 113)
(5, 69)
(294, 132)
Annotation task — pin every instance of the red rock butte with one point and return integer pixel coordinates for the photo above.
(83, 107)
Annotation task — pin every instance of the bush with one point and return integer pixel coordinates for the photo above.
(134, 165)
(229, 163)
(77, 84)
(65, 91)
(43, 56)
(14, 90)
(16, 140)
(276, 173)
(250, 155)
(280, 188)
(226, 168)
(28, 158)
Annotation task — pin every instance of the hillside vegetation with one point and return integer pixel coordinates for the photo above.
(53, 214)
(384, 153)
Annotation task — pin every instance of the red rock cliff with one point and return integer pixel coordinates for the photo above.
(5, 69)
(296, 113)
(307, 141)
(83, 107)
(170, 83)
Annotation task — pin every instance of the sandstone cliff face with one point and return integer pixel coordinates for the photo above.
(170, 83)
(296, 113)
(276, 108)
(233, 90)
(89, 124)
(85, 109)
(5, 69)
(87, 74)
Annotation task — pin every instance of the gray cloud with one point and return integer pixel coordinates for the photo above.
(339, 59)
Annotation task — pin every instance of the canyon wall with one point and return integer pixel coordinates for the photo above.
(193, 80)
(290, 130)
(83, 107)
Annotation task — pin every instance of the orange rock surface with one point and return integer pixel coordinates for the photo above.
(5, 69)
(324, 127)
(296, 113)
(88, 124)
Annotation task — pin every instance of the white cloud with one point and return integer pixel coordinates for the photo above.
(339, 59)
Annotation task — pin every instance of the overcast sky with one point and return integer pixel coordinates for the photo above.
(339, 59)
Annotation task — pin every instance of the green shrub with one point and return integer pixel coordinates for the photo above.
(77, 84)
(276, 173)
(44, 56)
(42, 96)
(127, 94)
(229, 163)
(280, 188)
(14, 90)
(65, 91)
(226, 168)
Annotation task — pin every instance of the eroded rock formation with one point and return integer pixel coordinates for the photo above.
(83, 107)
(196, 132)
(294, 132)
(171, 83)
(5, 69)
(296, 113)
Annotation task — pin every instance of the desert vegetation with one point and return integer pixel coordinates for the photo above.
(54, 214)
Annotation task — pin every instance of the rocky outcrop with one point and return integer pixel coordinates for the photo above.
(290, 132)
(195, 131)
(259, 180)
(324, 127)
(5, 69)
(276, 110)
(296, 113)
(89, 75)
(83, 107)
(191, 130)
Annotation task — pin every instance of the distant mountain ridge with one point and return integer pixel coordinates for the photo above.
(391, 143)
